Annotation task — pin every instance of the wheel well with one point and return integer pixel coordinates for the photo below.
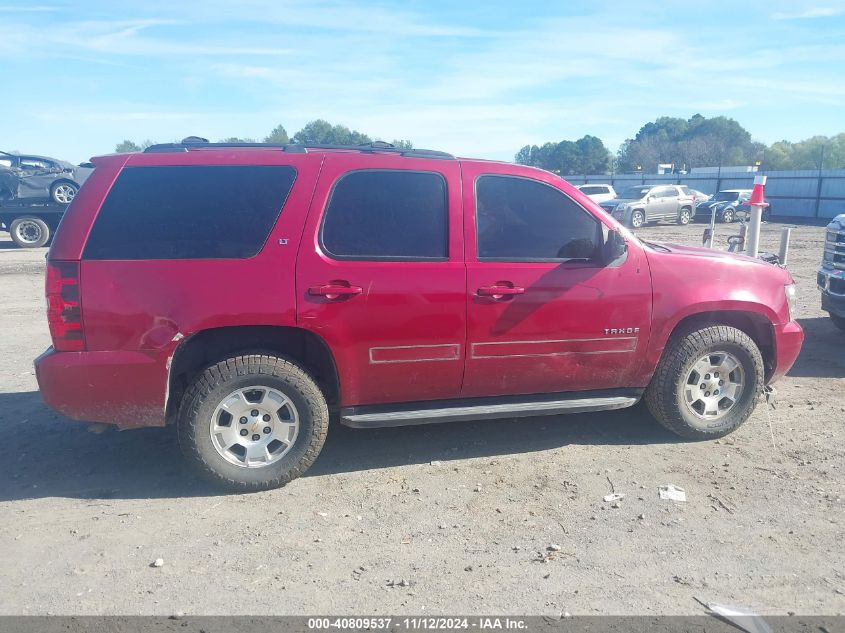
(208, 347)
(755, 325)
(62, 181)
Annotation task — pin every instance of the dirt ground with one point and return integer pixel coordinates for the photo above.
(433, 520)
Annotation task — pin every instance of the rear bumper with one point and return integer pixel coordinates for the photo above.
(788, 340)
(123, 388)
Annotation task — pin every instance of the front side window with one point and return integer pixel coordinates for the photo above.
(190, 212)
(387, 215)
(518, 219)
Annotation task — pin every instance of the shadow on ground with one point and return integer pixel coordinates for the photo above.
(823, 352)
(47, 455)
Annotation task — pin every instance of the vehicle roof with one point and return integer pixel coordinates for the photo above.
(594, 184)
(220, 151)
(733, 190)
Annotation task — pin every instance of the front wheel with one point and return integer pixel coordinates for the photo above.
(637, 219)
(29, 231)
(707, 382)
(253, 422)
(728, 216)
(684, 217)
(838, 321)
(63, 192)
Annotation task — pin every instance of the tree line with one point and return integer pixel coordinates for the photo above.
(318, 132)
(684, 143)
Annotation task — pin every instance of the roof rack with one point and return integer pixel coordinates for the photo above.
(195, 142)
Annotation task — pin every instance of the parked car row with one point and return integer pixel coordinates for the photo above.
(640, 204)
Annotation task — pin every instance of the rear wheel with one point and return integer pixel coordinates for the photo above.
(838, 321)
(29, 231)
(637, 219)
(707, 382)
(253, 422)
(728, 216)
(684, 217)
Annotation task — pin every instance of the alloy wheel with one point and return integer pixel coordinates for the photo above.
(714, 385)
(254, 426)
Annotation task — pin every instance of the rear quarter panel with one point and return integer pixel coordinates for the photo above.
(138, 311)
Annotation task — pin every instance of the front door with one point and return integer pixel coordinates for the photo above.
(381, 277)
(544, 314)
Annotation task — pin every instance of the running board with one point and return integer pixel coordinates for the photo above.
(376, 416)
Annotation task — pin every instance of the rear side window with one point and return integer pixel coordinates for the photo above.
(387, 215)
(519, 219)
(190, 212)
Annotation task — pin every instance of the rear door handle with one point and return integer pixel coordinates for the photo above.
(334, 290)
(499, 291)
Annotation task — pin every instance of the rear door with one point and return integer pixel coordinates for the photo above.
(381, 276)
(544, 314)
(665, 203)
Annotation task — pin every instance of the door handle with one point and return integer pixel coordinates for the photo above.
(500, 291)
(335, 290)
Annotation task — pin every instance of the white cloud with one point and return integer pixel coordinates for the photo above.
(815, 12)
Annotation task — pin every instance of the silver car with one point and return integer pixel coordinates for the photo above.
(647, 203)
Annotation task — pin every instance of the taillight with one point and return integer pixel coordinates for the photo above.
(64, 309)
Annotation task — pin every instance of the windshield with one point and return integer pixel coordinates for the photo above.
(725, 196)
(634, 193)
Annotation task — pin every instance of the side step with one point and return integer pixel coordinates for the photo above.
(376, 416)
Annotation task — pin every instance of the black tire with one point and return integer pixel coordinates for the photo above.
(212, 387)
(838, 321)
(665, 394)
(28, 231)
(63, 192)
(728, 215)
(637, 219)
(684, 216)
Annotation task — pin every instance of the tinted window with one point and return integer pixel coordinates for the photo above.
(189, 212)
(521, 219)
(380, 214)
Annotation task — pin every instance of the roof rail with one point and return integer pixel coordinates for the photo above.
(195, 142)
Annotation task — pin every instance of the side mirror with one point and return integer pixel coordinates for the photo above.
(614, 249)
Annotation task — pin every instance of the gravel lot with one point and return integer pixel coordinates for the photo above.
(433, 520)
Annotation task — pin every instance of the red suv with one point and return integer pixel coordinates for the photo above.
(248, 293)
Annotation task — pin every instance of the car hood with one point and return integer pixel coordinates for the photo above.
(616, 201)
(712, 254)
(709, 204)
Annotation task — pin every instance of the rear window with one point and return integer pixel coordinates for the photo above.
(190, 212)
(390, 215)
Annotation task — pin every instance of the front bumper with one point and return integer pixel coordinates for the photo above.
(831, 282)
(788, 341)
(123, 388)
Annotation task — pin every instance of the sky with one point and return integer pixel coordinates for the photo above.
(478, 79)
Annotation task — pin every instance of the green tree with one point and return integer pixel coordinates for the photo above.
(694, 142)
(278, 136)
(586, 155)
(402, 144)
(130, 146)
(237, 139)
(321, 132)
